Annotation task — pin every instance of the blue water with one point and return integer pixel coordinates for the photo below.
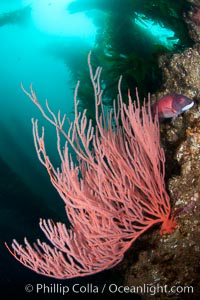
(26, 56)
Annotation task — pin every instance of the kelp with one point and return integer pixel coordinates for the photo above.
(18, 16)
(126, 49)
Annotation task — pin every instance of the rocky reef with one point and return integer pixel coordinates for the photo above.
(174, 260)
(171, 264)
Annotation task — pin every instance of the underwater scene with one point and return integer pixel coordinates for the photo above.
(100, 149)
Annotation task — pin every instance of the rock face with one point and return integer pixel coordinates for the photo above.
(168, 266)
(161, 263)
(173, 260)
(181, 73)
(193, 20)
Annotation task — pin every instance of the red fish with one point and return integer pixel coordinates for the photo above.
(172, 105)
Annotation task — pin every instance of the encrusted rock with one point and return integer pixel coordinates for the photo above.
(193, 20)
(161, 262)
(181, 73)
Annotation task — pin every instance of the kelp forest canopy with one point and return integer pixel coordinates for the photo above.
(131, 35)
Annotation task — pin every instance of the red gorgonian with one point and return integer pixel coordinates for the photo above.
(113, 193)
